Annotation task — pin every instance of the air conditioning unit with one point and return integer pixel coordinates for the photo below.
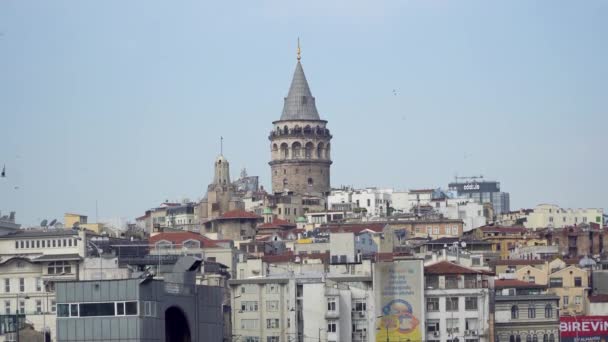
(436, 333)
(474, 332)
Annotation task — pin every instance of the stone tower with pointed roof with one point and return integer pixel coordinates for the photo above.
(300, 143)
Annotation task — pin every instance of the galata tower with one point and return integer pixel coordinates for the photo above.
(300, 143)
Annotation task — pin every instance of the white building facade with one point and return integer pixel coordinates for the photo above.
(550, 215)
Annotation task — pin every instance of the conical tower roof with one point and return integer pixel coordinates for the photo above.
(299, 103)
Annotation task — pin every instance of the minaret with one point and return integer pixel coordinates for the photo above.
(300, 142)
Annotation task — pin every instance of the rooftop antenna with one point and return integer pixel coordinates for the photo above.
(221, 146)
(299, 51)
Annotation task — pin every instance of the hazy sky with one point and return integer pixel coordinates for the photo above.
(123, 102)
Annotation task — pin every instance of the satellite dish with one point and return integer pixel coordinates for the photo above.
(53, 222)
(43, 223)
(463, 244)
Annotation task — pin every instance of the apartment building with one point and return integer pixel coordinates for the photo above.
(31, 263)
(457, 303)
(525, 311)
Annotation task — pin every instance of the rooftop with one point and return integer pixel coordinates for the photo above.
(514, 283)
(239, 214)
(446, 267)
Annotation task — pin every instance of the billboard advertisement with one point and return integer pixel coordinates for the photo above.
(475, 187)
(399, 292)
(584, 329)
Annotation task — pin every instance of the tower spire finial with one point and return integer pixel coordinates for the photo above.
(299, 52)
(222, 146)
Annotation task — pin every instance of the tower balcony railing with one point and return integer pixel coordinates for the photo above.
(301, 134)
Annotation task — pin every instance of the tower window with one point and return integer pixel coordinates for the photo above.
(310, 181)
(284, 181)
(284, 171)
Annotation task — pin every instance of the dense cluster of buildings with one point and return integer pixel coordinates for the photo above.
(305, 261)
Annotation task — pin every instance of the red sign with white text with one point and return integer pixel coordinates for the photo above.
(584, 328)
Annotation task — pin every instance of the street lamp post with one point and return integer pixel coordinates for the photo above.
(386, 326)
(18, 326)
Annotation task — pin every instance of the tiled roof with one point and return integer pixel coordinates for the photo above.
(517, 262)
(238, 214)
(299, 103)
(277, 224)
(353, 228)
(501, 229)
(178, 238)
(446, 267)
(599, 298)
(514, 283)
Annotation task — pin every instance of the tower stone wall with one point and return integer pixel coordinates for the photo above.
(300, 144)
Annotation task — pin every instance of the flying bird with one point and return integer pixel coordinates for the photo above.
(3, 175)
(394, 92)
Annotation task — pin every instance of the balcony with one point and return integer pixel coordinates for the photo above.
(332, 314)
(359, 315)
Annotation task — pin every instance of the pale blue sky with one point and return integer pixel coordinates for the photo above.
(123, 102)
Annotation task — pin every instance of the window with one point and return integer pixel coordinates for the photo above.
(249, 306)
(551, 338)
(578, 281)
(120, 309)
(531, 311)
(514, 312)
(16, 244)
(27, 244)
(432, 304)
(436, 230)
(43, 243)
(272, 323)
(7, 307)
(21, 244)
(21, 285)
(432, 325)
(249, 324)
(471, 324)
(22, 307)
(252, 339)
(59, 267)
(529, 338)
(70, 242)
(531, 279)
(545, 338)
(37, 243)
(555, 282)
(452, 325)
(97, 309)
(368, 202)
(331, 304)
(54, 242)
(53, 306)
(548, 312)
(578, 300)
(566, 300)
(38, 306)
(360, 307)
(534, 338)
(191, 244)
(272, 339)
(331, 327)
(38, 285)
(272, 288)
(272, 305)
(451, 304)
(470, 303)
(7, 285)
(249, 288)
